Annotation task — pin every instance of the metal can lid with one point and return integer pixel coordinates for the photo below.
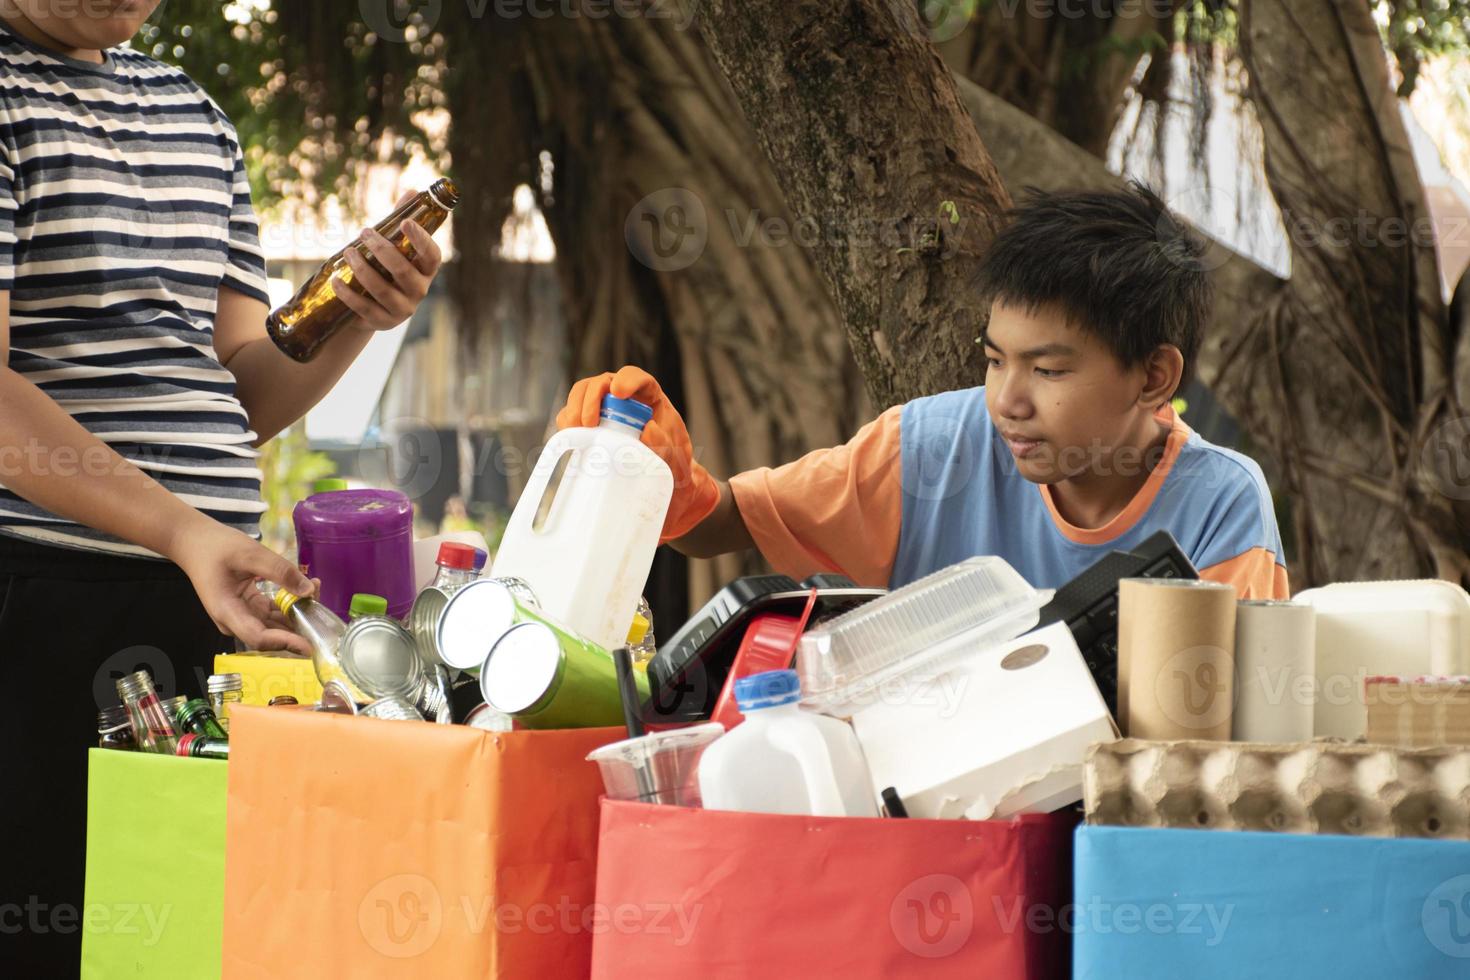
(219, 683)
(523, 670)
(281, 699)
(392, 709)
(473, 619)
(381, 659)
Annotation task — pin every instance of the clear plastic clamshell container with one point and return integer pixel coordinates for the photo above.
(979, 602)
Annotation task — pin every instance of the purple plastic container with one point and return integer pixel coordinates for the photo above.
(358, 541)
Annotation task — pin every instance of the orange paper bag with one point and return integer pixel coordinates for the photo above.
(687, 893)
(364, 848)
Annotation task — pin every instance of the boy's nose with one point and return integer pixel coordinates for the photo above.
(1013, 401)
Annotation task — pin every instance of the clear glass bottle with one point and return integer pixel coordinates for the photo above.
(225, 692)
(315, 313)
(456, 567)
(153, 730)
(322, 629)
(172, 707)
(115, 728)
(640, 635)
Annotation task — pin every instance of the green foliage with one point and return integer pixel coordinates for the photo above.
(289, 467)
(311, 89)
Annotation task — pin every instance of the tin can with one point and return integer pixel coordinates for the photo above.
(380, 659)
(478, 615)
(423, 623)
(392, 709)
(336, 699)
(547, 677)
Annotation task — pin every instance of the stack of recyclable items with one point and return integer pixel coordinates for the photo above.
(942, 703)
(465, 841)
(1294, 794)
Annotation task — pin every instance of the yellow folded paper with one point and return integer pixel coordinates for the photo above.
(264, 676)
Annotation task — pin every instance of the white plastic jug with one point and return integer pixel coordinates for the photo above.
(782, 759)
(585, 529)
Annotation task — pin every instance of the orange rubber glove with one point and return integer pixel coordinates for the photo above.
(695, 492)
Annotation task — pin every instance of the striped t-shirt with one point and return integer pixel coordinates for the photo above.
(124, 207)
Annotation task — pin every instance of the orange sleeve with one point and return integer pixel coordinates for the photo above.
(833, 510)
(1255, 574)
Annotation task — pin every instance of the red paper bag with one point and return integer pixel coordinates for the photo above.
(704, 893)
(357, 847)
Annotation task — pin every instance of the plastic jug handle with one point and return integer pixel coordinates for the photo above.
(807, 746)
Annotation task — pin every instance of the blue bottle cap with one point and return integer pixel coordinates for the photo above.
(768, 689)
(627, 411)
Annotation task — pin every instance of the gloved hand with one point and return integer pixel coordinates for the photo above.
(695, 492)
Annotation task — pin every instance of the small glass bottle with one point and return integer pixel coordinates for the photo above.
(640, 636)
(153, 730)
(172, 707)
(456, 567)
(115, 728)
(315, 313)
(198, 717)
(199, 747)
(225, 692)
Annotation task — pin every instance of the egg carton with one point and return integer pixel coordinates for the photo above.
(1318, 787)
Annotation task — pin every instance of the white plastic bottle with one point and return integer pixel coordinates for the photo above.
(782, 759)
(585, 529)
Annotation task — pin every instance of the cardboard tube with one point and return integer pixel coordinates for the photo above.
(1275, 670)
(1176, 643)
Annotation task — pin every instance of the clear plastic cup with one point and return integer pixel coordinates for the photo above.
(660, 767)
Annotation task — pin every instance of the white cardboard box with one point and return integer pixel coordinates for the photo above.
(987, 733)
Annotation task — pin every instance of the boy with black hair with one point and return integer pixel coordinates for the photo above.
(1069, 450)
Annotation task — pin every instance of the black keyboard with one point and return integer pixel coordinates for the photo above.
(1089, 603)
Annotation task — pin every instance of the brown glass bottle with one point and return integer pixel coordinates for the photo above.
(314, 314)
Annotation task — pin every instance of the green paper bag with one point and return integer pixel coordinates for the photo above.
(155, 866)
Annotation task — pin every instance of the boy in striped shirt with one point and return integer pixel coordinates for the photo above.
(136, 383)
(1070, 449)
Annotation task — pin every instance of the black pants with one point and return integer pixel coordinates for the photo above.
(71, 623)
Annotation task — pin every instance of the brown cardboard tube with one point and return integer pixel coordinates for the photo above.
(1176, 643)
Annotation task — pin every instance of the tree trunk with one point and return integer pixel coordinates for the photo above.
(737, 324)
(1068, 71)
(866, 134)
(1343, 372)
(1348, 377)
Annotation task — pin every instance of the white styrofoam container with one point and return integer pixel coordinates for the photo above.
(1407, 628)
(991, 732)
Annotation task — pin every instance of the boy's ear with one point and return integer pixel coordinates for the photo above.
(1163, 369)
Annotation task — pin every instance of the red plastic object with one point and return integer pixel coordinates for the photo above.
(769, 644)
(767, 895)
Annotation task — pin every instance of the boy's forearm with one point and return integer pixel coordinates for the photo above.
(49, 459)
(275, 391)
(722, 532)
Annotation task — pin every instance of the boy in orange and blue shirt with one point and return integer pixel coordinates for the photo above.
(1070, 449)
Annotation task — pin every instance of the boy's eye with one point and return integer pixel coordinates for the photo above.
(1050, 373)
(994, 361)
